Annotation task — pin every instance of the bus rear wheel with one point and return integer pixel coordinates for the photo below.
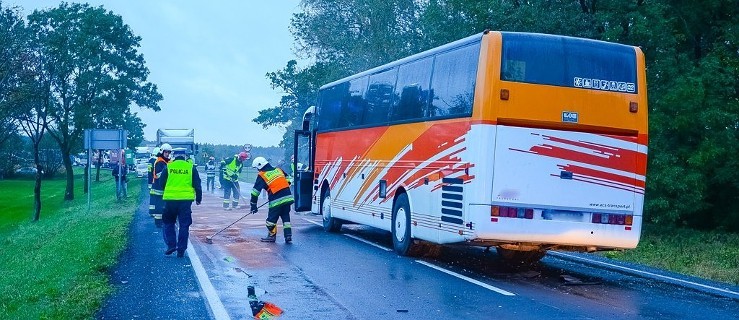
(401, 228)
(521, 258)
(330, 223)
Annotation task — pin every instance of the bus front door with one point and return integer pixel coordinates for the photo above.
(302, 170)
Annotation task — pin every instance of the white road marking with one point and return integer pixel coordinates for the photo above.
(368, 242)
(313, 222)
(219, 311)
(468, 279)
(643, 272)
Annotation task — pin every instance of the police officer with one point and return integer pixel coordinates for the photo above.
(280, 198)
(231, 181)
(181, 186)
(156, 205)
(210, 173)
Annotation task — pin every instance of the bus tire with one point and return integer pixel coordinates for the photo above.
(330, 224)
(401, 227)
(519, 258)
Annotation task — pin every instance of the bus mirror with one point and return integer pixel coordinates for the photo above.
(307, 116)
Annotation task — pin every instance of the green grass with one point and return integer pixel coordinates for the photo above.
(708, 254)
(57, 268)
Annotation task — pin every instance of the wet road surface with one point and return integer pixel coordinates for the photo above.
(354, 275)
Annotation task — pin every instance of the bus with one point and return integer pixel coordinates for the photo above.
(524, 142)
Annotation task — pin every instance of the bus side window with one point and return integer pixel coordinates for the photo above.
(328, 114)
(379, 97)
(453, 82)
(412, 89)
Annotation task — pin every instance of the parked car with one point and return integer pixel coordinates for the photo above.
(27, 171)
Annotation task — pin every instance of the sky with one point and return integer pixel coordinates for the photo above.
(209, 60)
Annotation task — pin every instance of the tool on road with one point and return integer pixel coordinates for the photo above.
(209, 239)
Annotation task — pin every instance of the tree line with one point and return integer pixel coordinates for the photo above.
(692, 60)
(66, 69)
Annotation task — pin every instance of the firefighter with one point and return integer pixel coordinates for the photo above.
(150, 168)
(156, 205)
(210, 173)
(222, 172)
(181, 183)
(279, 196)
(231, 181)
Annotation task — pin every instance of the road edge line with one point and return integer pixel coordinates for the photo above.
(368, 242)
(685, 283)
(214, 301)
(468, 279)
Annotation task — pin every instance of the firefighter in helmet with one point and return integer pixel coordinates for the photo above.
(280, 198)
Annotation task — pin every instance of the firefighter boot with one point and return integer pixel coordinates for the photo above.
(271, 233)
(288, 232)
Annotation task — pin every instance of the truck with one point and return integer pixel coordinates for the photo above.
(178, 138)
(141, 159)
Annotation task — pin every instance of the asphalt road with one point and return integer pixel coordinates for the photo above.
(355, 275)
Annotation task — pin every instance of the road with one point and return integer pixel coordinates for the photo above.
(354, 275)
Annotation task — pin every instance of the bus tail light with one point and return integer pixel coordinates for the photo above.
(512, 212)
(633, 107)
(504, 94)
(610, 218)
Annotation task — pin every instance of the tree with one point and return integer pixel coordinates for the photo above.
(27, 102)
(11, 48)
(95, 72)
(300, 87)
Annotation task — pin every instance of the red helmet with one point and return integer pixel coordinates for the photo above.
(243, 156)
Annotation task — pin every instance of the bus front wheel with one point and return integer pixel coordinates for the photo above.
(401, 228)
(330, 223)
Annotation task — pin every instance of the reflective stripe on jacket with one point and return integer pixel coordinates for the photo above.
(179, 181)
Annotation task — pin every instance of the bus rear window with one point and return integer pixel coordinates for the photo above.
(568, 62)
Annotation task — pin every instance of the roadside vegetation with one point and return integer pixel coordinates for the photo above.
(708, 254)
(58, 267)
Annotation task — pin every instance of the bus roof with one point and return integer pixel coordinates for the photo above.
(448, 46)
(465, 41)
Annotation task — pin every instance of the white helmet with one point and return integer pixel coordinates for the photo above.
(166, 147)
(259, 163)
(156, 151)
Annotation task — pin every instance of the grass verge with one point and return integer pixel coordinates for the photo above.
(707, 254)
(57, 268)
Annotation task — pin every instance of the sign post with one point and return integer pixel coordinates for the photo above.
(103, 139)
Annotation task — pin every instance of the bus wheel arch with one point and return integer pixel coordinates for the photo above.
(400, 228)
(330, 224)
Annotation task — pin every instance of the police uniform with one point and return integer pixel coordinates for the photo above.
(280, 198)
(181, 187)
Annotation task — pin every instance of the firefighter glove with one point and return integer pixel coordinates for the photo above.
(253, 207)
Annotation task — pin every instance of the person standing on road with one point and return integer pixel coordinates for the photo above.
(155, 154)
(120, 174)
(181, 186)
(231, 181)
(280, 198)
(210, 173)
(156, 205)
(222, 173)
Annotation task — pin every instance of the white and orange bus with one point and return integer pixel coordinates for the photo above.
(522, 141)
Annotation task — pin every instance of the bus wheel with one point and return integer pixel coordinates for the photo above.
(519, 258)
(401, 228)
(330, 223)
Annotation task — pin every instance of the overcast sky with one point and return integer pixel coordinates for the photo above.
(209, 60)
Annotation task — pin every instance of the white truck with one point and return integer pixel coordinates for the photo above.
(178, 138)
(141, 158)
